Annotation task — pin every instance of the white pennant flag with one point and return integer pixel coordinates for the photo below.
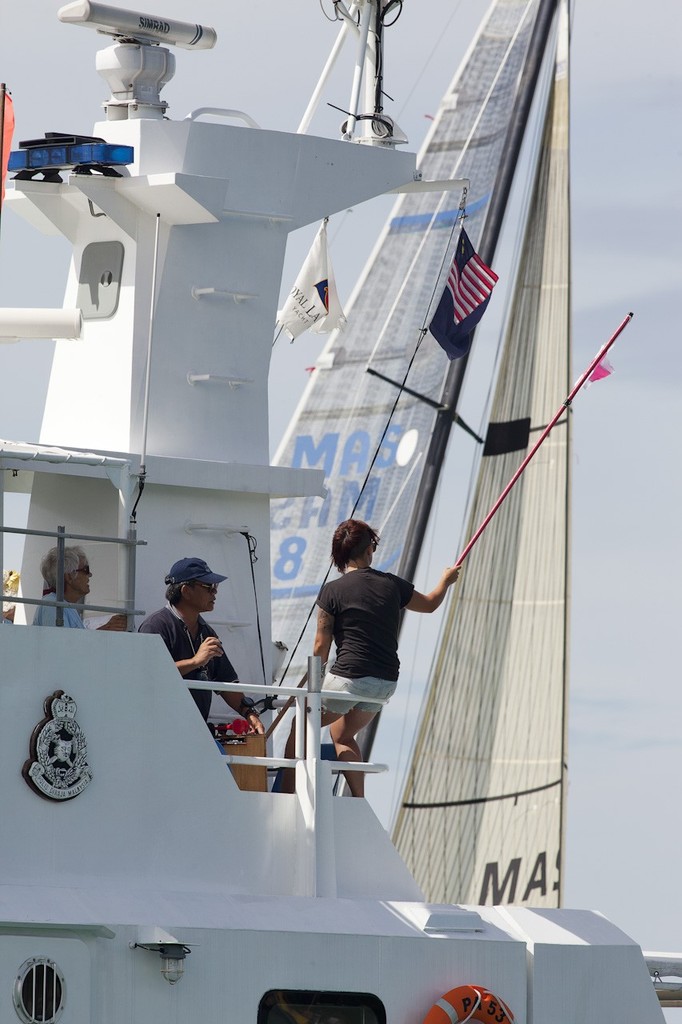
(313, 303)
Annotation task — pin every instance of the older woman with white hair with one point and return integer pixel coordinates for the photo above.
(76, 587)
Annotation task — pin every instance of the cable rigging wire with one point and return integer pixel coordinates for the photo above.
(422, 331)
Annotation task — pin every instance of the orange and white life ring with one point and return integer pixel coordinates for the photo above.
(469, 1003)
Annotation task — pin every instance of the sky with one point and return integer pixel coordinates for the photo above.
(624, 834)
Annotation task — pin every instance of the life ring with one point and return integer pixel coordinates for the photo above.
(469, 1003)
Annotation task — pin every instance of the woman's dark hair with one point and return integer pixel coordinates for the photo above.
(351, 538)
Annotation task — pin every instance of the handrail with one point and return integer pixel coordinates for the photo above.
(113, 609)
(273, 688)
(73, 536)
(301, 697)
(61, 535)
(290, 762)
(222, 112)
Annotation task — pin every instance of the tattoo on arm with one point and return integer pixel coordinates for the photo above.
(325, 622)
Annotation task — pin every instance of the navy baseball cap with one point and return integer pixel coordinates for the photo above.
(192, 569)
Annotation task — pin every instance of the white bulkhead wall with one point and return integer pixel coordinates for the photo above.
(227, 198)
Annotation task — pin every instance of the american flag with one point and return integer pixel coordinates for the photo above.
(463, 302)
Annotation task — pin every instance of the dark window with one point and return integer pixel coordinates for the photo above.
(39, 991)
(304, 1007)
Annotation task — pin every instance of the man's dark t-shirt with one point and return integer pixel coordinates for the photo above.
(366, 607)
(182, 646)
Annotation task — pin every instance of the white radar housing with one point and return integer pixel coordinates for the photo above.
(143, 28)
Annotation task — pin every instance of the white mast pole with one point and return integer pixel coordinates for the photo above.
(348, 26)
(361, 55)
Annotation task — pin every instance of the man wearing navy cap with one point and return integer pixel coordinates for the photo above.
(193, 645)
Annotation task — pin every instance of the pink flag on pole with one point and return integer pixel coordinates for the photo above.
(7, 129)
(603, 369)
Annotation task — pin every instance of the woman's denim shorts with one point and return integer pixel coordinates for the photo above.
(364, 686)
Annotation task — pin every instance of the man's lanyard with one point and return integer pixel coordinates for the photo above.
(200, 636)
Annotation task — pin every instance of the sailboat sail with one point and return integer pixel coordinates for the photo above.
(481, 812)
(344, 411)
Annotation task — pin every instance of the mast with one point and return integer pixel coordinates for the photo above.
(486, 250)
(482, 812)
(457, 370)
(371, 447)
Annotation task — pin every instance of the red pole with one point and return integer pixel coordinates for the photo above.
(545, 433)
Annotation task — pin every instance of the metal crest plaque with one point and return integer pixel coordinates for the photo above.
(57, 768)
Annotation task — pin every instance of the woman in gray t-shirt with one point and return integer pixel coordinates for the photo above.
(360, 612)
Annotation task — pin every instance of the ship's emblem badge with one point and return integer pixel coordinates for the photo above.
(57, 768)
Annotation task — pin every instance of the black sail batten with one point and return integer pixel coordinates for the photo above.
(486, 249)
(510, 436)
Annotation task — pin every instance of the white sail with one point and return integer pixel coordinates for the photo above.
(345, 410)
(481, 812)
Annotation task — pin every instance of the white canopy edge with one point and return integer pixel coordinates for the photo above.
(26, 452)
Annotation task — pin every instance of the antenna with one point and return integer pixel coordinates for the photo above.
(132, 26)
(136, 67)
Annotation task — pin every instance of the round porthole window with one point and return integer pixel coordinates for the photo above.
(39, 991)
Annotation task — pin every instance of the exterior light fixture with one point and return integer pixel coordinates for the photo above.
(172, 952)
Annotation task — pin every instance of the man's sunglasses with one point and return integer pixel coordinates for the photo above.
(213, 587)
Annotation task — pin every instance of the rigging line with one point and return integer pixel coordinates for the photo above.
(482, 799)
(438, 406)
(148, 372)
(461, 214)
(400, 778)
(301, 634)
(422, 332)
(360, 493)
(252, 544)
(489, 239)
(399, 495)
(415, 259)
(428, 62)
(441, 201)
(408, 391)
(526, 202)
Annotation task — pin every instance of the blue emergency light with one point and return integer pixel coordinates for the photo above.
(58, 152)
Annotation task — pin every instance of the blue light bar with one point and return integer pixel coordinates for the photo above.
(63, 158)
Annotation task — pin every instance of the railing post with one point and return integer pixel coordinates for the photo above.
(131, 567)
(313, 726)
(319, 776)
(59, 620)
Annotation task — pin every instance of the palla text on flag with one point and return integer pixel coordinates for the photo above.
(313, 303)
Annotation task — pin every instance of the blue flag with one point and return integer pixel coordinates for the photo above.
(464, 299)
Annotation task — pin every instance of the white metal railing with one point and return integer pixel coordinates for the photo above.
(313, 775)
(301, 696)
(61, 536)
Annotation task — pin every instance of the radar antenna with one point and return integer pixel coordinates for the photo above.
(136, 67)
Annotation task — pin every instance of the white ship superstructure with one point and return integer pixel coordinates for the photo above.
(127, 845)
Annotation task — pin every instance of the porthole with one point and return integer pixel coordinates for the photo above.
(39, 991)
